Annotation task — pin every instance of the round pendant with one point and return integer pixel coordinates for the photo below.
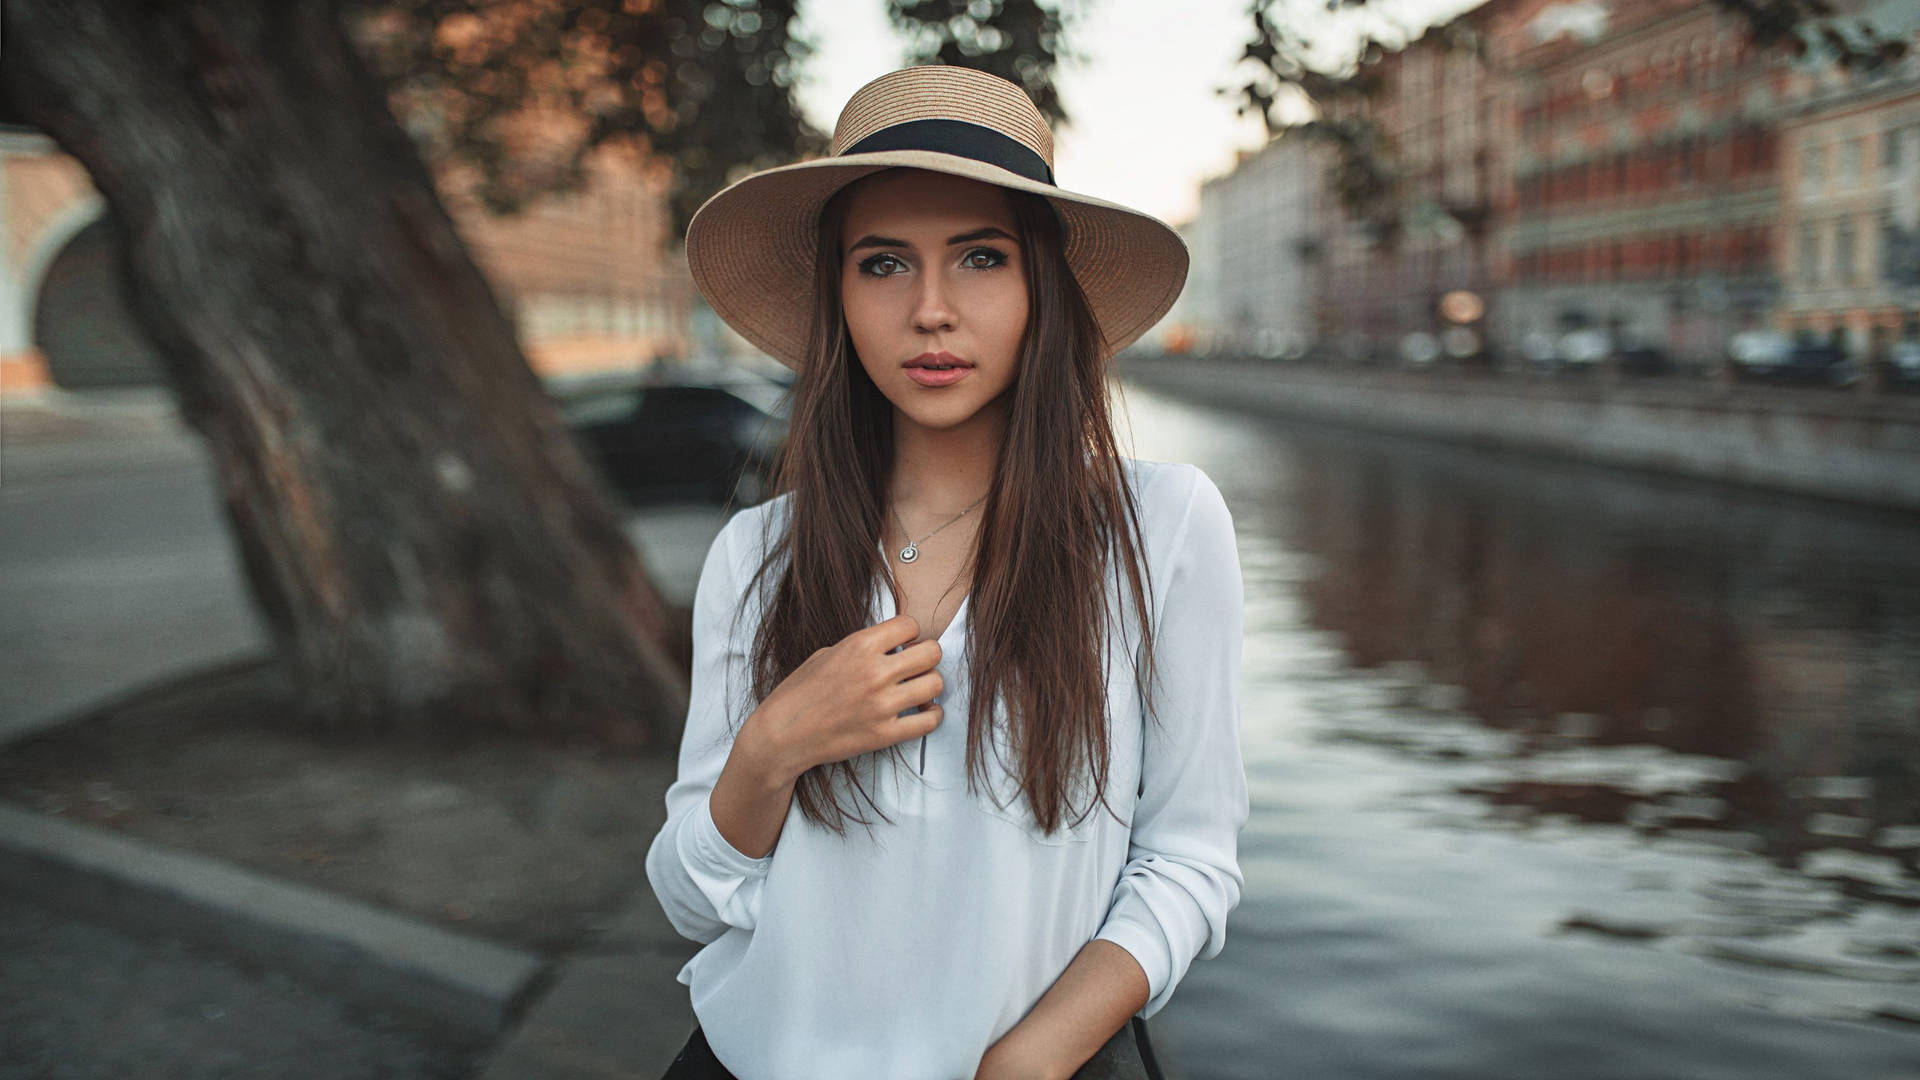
(909, 553)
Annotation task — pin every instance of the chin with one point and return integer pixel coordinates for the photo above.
(939, 419)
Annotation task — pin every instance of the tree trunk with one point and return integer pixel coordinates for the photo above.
(427, 544)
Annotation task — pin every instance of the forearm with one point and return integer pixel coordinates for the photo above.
(1099, 992)
(751, 797)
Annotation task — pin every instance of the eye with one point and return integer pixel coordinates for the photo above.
(869, 266)
(993, 256)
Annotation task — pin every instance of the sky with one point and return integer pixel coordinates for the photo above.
(1146, 126)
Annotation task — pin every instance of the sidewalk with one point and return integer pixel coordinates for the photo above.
(615, 1011)
(142, 1006)
(51, 415)
(171, 954)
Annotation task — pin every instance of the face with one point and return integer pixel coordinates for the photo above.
(932, 263)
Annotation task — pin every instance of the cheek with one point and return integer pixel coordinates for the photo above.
(1011, 316)
(850, 307)
(862, 316)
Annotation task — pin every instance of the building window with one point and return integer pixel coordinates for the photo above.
(1890, 149)
(1852, 153)
(1813, 163)
(1809, 251)
(1843, 254)
(1889, 243)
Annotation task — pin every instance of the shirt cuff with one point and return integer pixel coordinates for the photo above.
(712, 850)
(1148, 946)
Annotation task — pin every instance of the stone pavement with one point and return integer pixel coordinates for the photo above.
(83, 1001)
(614, 1011)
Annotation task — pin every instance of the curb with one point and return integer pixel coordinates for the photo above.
(473, 986)
(613, 1012)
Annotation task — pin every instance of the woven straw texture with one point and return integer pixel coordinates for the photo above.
(940, 92)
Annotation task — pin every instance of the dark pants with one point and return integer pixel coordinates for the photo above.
(1126, 1056)
(696, 1061)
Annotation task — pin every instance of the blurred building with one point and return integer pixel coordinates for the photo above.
(1611, 166)
(593, 281)
(1255, 249)
(1178, 330)
(1851, 216)
(1645, 186)
(1440, 116)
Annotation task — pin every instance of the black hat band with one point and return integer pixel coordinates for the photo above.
(961, 139)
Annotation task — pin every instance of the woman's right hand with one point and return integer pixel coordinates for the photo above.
(846, 699)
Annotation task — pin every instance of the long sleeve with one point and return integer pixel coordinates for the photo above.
(1183, 874)
(704, 884)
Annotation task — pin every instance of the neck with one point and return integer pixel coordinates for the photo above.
(938, 473)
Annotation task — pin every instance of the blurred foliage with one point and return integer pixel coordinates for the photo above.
(1019, 40)
(1363, 173)
(1803, 27)
(525, 91)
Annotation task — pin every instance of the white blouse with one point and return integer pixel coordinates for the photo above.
(906, 949)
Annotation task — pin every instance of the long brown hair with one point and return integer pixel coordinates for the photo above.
(1039, 612)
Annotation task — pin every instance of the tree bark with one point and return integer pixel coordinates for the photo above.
(427, 544)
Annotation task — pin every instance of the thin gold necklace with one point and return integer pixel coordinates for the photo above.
(912, 550)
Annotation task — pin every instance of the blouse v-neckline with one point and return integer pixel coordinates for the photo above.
(891, 607)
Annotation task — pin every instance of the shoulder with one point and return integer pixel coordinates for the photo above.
(765, 518)
(1169, 493)
(748, 534)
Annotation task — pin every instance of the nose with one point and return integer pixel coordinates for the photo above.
(932, 310)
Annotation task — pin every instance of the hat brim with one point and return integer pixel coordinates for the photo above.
(751, 248)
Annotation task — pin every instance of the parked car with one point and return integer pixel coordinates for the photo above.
(1579, 351)
(683, 434)
(1754, 351)
(1903, 363)
(1767, 356)
(1419, 349)
(1645, 360)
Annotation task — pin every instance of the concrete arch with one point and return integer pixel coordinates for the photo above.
(83, 328)
(46, 247)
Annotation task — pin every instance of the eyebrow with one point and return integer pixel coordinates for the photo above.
(964, 238)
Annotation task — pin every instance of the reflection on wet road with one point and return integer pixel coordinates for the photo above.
(1557, 771)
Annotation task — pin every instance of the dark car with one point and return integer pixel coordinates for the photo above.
(1903, 364)
(1644, 360)
(1814, 362)
(682, 434)
(1768, 357)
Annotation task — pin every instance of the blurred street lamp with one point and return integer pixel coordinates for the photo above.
(1462, 306)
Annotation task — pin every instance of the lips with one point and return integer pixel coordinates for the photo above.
(926, 376)
(937, 369)
(937, 361)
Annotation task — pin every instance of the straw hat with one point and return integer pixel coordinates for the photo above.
(751, 247)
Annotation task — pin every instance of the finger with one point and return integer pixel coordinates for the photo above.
(909, 660)
(915, 691)
(889, 634)
(919, 722)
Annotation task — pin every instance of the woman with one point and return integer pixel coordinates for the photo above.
(1047, 784)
